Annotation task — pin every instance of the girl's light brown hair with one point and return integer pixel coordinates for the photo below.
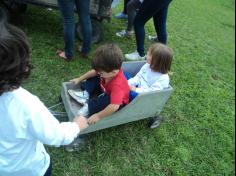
(162, 57)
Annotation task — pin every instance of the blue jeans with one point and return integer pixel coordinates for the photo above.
(67, 11)
(157, 9)
(98, 100)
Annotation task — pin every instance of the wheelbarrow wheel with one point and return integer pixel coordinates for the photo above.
(15, 7)
(155, 122)
(97, 31)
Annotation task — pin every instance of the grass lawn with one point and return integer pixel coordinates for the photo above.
(197, 135)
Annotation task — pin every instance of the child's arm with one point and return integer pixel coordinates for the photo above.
(135, 81)
(160, 84)
(110, 109)
(42, 125)
(89, 74)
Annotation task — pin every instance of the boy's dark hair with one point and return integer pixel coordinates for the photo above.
(162, 57)
(14, 57)
(107, 58)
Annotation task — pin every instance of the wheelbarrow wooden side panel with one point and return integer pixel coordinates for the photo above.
(144, 106)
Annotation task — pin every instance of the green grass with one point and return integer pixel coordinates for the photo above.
(197, 136)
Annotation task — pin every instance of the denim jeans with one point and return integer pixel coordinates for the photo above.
(98, 100)
(67, 11)
(157, 9)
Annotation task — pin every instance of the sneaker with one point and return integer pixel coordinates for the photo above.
(134, 56)
(153, 38)
(121, 15)
(82, 94)
(124, 33)
(84, 111)
(76, 98)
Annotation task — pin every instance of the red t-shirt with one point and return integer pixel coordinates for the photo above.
(118, 89)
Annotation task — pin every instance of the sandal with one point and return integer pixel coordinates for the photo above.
(61, 54)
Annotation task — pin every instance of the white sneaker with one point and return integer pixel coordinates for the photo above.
(84, 111)
(124, 33)
(80, 100)
(153, 38)
(134, 56)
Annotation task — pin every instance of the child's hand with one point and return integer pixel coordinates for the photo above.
(81, 122)
(132, 88)
(75, 81)
(93, 119)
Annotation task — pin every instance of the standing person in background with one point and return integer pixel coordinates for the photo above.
(132, 8)
(156, 9)
(26, 124)
(123, 15)
(67, 11)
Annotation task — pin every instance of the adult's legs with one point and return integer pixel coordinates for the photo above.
(148, 9)
(125, 6)
(159, 20)
(67, 11)
(132, 7)
(83, 7)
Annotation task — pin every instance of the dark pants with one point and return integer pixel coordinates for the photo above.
(156, 9)
(132, 7)
(67, 11)
(125, 6)
(98, 100)
(49, 171)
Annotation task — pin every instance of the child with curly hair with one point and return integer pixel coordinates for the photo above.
(26, 124)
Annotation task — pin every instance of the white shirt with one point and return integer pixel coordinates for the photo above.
(148, 80)
(25, 125)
